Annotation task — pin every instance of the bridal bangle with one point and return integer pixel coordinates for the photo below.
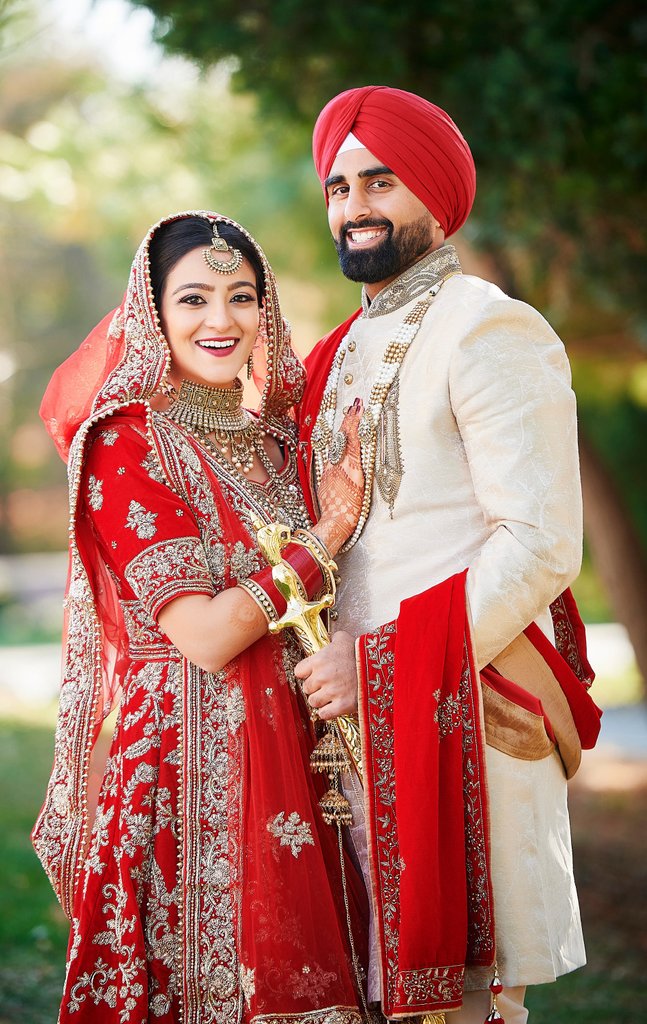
(307, 566)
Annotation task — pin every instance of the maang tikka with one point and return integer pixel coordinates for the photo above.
(219, 244)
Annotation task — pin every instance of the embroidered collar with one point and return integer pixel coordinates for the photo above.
(419, 278)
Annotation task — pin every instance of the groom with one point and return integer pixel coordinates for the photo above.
(454, 613)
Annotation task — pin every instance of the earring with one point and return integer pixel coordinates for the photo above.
(250, 366)
(167, 388)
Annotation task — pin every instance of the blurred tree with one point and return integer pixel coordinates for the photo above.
(552, 98)
(87, 163)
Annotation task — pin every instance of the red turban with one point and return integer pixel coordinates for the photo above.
(417, 140)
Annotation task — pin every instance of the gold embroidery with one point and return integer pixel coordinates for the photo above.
(99, 989)
(168, 568)
(310, 983)
(448, 714)
(389, 468)
(216, 560)
(329, 1015)
(235, 709)
(212, 808)
(108, 437)
(446, 984)
(153, 468)
(244, 562)
(413, 282)
(247, 982)
(116, 324)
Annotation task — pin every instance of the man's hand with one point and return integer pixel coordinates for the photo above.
(330, 678)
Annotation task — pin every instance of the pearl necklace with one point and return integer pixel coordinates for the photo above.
(323, 433)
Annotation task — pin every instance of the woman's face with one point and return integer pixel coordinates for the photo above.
(210, 320)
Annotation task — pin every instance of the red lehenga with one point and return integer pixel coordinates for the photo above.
(210, 890)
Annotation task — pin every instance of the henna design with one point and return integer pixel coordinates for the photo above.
(341, 487)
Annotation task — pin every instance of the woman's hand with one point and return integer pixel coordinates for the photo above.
(341, 489)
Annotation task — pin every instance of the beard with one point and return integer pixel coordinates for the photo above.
(389, 258)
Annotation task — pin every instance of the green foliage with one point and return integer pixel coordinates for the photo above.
(588, 996)
(550, 95)
(87, 165)
(33, 930)
(615, 419)
(552, 98)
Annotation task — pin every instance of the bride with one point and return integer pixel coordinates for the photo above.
(208, 889)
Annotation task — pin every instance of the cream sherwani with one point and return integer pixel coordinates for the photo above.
(490, 482)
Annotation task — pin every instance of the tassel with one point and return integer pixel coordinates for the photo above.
(335, 808)
(330, 756)
(496, 988)
(496, 985)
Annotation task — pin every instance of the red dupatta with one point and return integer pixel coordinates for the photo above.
(426, 799)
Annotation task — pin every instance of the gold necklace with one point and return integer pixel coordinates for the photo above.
(219, 411)
(281, 494)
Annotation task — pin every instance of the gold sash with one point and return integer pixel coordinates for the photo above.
(519, 732)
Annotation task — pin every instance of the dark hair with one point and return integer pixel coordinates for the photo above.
(178, 237)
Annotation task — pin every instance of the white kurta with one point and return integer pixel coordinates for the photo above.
(491, 482)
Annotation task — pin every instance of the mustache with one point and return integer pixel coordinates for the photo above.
(373, 222)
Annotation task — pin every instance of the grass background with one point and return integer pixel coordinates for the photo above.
(33, 929)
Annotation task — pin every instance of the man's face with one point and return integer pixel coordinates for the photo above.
(379, 227)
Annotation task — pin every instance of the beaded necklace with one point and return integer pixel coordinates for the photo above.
(205, 410)
(323, 436)
(280, 495)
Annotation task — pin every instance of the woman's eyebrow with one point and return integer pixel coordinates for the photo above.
(193, 284)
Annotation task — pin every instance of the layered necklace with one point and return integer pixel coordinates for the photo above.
(219, 411)
(325, 442)
(216, 418)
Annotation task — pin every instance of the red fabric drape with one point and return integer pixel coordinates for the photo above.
(209, 840)
(76, 383)
(586, 714)
(423, 749)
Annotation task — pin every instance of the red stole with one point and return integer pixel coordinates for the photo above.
(425, 789)
(426, 800)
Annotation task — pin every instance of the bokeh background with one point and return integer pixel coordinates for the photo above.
(115, 113)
